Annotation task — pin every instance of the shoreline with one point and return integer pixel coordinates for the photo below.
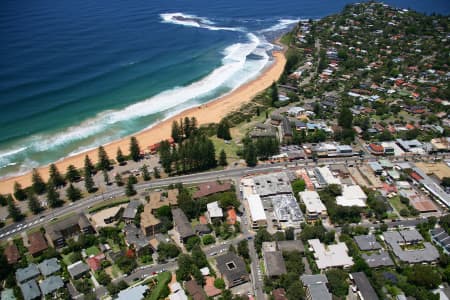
(210, 112)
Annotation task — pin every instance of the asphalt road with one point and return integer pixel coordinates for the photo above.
(81, 205)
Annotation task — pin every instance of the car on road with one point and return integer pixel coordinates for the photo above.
(249, 238)
(213, 253)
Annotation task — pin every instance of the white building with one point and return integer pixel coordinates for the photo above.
(330, 256)
(315, 209)
(352, 195)
(295, 111)
(214, 210)
(325, 177)
(257, 212)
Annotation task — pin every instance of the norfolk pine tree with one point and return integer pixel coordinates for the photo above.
(38, 183)
(55, 176)
(19, 193)
(135, 151)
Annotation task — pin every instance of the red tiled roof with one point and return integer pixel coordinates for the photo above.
(209, 188)
(37, 243)
(93, 263)
(12, 254)
(203, 220)
(231, 216)
(416, 176)
(194, 290)
(389, 188)
(376, 148)
(210, 289)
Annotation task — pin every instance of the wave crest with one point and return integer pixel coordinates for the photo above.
(194, 21)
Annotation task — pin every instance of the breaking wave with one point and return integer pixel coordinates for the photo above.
(194, 21)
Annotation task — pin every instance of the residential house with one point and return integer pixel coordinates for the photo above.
(151, 225)
(273, 260)
(194, 290)
(214, 211)
(51, 285)
(135, 238)
(182, 225)
(232, 269)
(78, 269)
(209, 188)
(331, 256)
(49, 266)
(30, 290)
(12, 254)
(364, 288)
(130, 211)
(135, 292)
(37, 243)
(316, 287)
(57, 232)
(25, 274)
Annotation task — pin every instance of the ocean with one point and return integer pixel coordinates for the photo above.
(77, 74)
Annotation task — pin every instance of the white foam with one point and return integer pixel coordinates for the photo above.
(234, 71)
(194, 21)
(12, 152)
(282, 24)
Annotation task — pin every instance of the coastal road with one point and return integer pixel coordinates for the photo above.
(86, 203)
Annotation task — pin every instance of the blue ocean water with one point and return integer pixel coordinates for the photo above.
(76, 74)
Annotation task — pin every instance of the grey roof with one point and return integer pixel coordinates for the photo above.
(54, 230)
(313, 279)
(202, 228)
(364, 286)
(272, 184)
(433, 187)
(375, 166)
(367, 242)
(131, 209)
(286, 209)
(182, 224)
(51, 284)
(319, 292)
(294, 245)
(49, 266)
(30, 290)
(24, 274)
(395, 239)
(232, 266)
(134, 236)
(274, 262)
(376, 260)
(8, 294)
(411, 235)
(77, 269)
(136, 292)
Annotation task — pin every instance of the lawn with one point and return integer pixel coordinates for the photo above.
(93, 250)
(66, 259)
(115, 271)
(114, 246)
(163, 280)
(229, 148)
(397, 204)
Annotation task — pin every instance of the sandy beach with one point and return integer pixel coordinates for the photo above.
(209, 112)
